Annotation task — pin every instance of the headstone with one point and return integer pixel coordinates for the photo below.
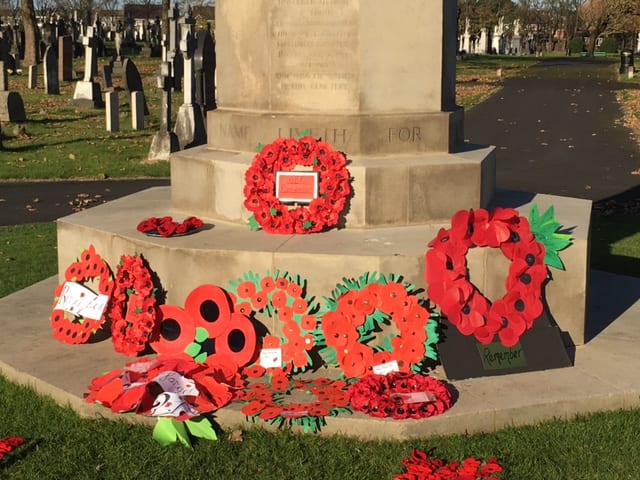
(11, 107)
(65, 58)
(33, 76)
(165, 142)
(137, 110)
(205, 68)
(4, 78)
(118, 45)
(190, 127)
(112, 114)
(133, 81)
(51, 84)
(87, 92)
(106, 76)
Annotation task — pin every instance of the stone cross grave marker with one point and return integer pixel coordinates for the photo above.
(165, 142)
(87, 92)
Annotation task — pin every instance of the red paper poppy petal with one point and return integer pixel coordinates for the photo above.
(210, 308)
(176, 330)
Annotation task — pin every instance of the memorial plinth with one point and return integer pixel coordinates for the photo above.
(374, 80)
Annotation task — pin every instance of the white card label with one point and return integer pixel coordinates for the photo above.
(416, 397)
(271, 357)
(173, 382)
(79, 300)
(385, 368)
(169, 404)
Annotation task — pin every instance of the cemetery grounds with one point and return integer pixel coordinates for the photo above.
(60, 142)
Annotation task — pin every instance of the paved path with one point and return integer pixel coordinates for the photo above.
(558, 131)
(32, 202)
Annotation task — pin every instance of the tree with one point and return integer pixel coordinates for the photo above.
(31, 47)
(601, 17)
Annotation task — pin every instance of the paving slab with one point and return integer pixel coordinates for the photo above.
(604, 376)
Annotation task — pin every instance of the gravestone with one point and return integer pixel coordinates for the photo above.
(106, 76)
(190, 128)
(133, 81)
(33, 76)
(4, 77)
(137, 110)
(65, 58)
(205, 69)
(87, 92)
(112, 112)
(51, 83)
(165, 141)
(11, 105)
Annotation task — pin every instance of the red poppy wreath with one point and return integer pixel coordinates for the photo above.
(281, 298)
(90, 266)
(267, 402)
(400, 395)
(462, 303)
(284, 155)
(133, 310)
(361, 307)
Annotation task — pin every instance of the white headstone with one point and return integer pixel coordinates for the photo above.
(137, 110)
(33, 76)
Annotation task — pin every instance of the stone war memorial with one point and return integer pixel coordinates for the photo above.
(336, 217)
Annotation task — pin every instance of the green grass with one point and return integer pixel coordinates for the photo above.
(28, 254)
(61, 141)
(615, 244)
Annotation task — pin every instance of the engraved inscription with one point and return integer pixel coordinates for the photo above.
(405, 134)
(233, 131)
(315, 48)
(337, 136)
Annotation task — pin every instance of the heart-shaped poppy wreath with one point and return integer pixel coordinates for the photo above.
(462, 303)
(283, 155)
(79, 329)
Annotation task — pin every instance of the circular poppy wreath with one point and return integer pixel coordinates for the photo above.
(283, 155)
(460, 301)
(400, 395)
(88, 267)
(283, 299)
(266, 402)
(133, 309)
(360, 308)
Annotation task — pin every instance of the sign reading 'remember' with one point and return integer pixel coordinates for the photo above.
(298, 187)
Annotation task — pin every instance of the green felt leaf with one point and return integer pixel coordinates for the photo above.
(201, 358)
(553, 260)
(304, 133)
(193, 349)
(260, 147)
(201, 334)
(167, 431)
(253, 223)
(201, 427)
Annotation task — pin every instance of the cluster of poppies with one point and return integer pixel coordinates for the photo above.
(460, 301)
(281, 298)
(266, 401)
(133, 308)
(167, 387)
(8, 445)
(283, 155)
(420, 467)
(354, 316)
(166, 227)
(400, 395)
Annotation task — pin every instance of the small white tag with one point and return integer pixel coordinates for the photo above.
(171, 405)
(294, 414)
(416, 397)
(385, 368)
(173, 382)
(80, 301)
(271, 357)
